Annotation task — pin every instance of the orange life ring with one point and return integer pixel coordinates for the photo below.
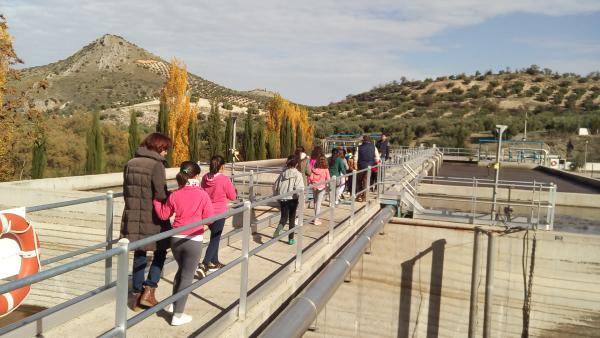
(20, 230)
(553, 163)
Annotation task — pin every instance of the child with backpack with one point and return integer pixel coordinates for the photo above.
(190, 204)
(289, 180)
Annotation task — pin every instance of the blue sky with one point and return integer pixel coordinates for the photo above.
(318, 51)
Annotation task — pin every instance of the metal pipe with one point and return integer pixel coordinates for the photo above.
(489, 285)
(109, 236)
(245, 249)
(298, 317)
(474, 283)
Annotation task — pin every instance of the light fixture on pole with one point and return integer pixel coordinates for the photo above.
(500, 128)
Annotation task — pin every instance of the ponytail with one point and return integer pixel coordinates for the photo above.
(187, 170)
(216, 162)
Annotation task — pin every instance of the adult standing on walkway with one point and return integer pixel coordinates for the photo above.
(366, 155)
(383, 146)
(221, 191)
(144, 179)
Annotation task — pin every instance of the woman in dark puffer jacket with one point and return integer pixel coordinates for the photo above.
(144, 179)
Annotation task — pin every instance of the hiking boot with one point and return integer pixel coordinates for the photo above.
(291, 241)
(135, 302)
(148, 298)
(201, 271)
(215, 266)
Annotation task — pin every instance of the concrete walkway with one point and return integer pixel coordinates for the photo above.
(216, 302)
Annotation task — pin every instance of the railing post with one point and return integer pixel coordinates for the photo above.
(245, 249)
(353, 197)
(251, 186)
(489, 285)
(379, 179)
(299, 229)
(474, 283)
(368, 181)
(122, 287)
(332, 203)
(553, 207)
(109, 236)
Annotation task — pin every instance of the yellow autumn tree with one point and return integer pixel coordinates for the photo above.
(179, 111)
(280, 110)
(8, 57)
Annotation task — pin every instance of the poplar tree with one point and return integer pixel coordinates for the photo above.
(180, 111)
(194, 147)
(94, 157)
(248, 139)
(283, 139)
(39, 160)
(162, 126)
(229, 138)
(291, 137)
(272, 146)
(299, 137)
(260, 150)
(214, 131)
(134, 134)
(8, 125)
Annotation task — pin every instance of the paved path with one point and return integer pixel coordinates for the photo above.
(219, 296)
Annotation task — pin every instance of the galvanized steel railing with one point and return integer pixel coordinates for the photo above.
(121, 251)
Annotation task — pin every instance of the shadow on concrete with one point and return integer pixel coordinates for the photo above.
(437, 249)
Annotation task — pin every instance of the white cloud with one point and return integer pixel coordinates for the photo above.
(311, 51)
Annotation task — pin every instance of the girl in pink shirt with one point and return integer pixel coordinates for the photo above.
(319, 175)
(221, 191)
(190, 204)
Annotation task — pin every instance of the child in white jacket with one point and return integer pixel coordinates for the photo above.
(289, 180)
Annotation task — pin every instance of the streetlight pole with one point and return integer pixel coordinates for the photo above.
(501, 129)
(233, 150)
(525, 132)
(585, 157)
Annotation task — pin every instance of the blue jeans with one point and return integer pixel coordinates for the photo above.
(212, 251)
(139, 265)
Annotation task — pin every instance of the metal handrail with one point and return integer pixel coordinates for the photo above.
(124, 246)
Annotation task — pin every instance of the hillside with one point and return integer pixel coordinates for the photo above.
(111, 72)
(450, 111)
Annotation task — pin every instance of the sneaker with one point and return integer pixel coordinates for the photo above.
(277, 230)
(180, 319)
(201, 271)
(292, 241)
(169, 308)
(215, 266)
(317, 222)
